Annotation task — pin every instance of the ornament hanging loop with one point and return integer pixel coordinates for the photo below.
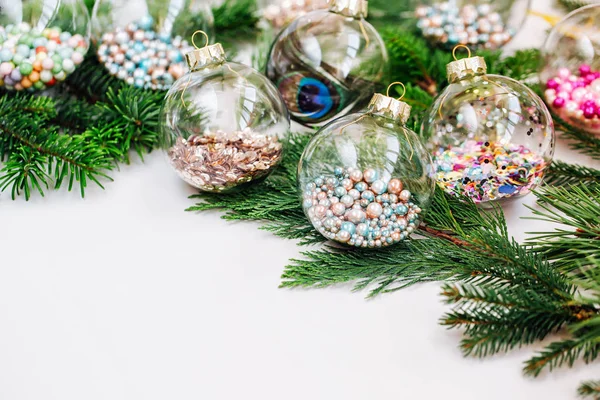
(458, 47)
(205, 36)
(387, 93)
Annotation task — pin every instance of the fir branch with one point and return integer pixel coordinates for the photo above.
(571, 5)
(577, 247)
(520, 66)
(583, 141)
(24, 170)
(135, 112)
(236, 20)
(564, 174)
(589, 389)
(411, 60)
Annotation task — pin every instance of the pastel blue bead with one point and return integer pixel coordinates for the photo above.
(66, 53)
(40, 42)
(146, 22)
(64, 36)
(176, 56)
(146, 64)
(340, 191)
(138, 47)
(368, 195)
(338, 171)
(139, 83)
(6, 55)
(164, 37)
(23, 50)
(360, 186)
(348, 227)
(401, 210)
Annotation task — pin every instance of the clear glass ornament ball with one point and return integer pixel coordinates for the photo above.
(570, 73)
(221, 126)
(479, 24)
(490, 136)
(365, 180)
(143, 42)
(325, 64)
(41, 42)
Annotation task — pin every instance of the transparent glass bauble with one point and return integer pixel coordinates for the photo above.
(41, 42)
(491, 137)
(222, 125)
(571, 68)
(143, 42)
(326, 64)
(365, 180)
(279, 13)
(480, 24)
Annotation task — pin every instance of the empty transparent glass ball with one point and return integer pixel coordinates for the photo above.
(483, 24)
(41, 42)
(571, 69)
(327, 62)
(222, 123)
(365, 179)
(143, 42)
(491, 137)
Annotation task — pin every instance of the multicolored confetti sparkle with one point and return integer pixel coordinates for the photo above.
(487, 171)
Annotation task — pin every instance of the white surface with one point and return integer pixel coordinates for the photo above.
(124, 296)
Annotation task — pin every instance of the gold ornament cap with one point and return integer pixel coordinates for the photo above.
(390, 107)
(350, 8)
(203, 56)
(459, 69)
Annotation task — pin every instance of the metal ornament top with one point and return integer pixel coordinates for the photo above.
(199, 58)
(390, 108)
(203, 56)
(350, 8)
(458, 69)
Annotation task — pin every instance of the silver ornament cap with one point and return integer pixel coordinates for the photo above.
(389, 107)
(350, 8)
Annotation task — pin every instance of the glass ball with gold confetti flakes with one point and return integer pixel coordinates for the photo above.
(222, 124)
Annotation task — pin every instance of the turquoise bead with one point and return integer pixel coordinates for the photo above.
(348, 227)
(6, 55)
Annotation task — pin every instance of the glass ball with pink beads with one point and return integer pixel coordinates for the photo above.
(571, 70)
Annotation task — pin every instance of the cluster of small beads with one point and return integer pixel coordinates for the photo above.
(37, 59)
(143, 58)
(446, 24)
(576, 95)
(360, 209)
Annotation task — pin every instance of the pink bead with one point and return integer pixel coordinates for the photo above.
(578, 84)
(584, 69)
(564, 73)
(566, 87)
(5, 68)
(559, 102)
(552, 84)
(589, 112)
(564, 95)
(578, 94)
(589, 96)
(589, 78)
(48, 63)
(77, 57)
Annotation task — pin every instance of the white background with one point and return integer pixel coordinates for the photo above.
(125, 296)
